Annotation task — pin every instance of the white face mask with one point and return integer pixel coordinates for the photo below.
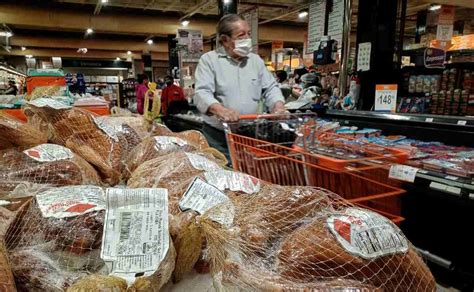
(243, 47)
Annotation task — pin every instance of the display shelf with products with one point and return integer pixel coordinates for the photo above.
(10, 74)
(128, 95)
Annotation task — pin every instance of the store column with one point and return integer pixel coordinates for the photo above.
(377, 26)
(227, 7)
(173, 58)
(147, 66)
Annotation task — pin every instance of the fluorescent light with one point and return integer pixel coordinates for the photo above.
(89, 30)
(303, 14)
(227, 1)
(129, 52)
(150, 42)
(6, 34)
(29, 56)
(185, 23)
(104, 1)
(23, 48)
(434, 7)
(117, 59)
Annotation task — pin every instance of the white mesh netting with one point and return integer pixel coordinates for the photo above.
(45, 164)
(102, 141)
(15, 133)
(305, 238)
(54, 240)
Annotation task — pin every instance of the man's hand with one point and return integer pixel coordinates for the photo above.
(223, 113)
(279, 108)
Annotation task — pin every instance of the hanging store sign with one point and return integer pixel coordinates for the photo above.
(191, 44)
(335, 21)
(95, 64)
(434, 58)
(385, 97)
(316, 22)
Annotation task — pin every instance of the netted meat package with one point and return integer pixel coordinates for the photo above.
(45, 164)
(151, 148)
(58, 239)
(102, 141)
(15, 133)
(66, 235)
(309, 239)
(173, 172)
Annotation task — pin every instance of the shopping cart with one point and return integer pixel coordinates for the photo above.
(272, 157)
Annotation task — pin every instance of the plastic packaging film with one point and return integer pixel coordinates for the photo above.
(308, 238)
(44, 164)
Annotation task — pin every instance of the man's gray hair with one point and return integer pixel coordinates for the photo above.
(224, 26)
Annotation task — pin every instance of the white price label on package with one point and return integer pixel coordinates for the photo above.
(136, 237)
(201, 196)
(386, 97)
(403, 172)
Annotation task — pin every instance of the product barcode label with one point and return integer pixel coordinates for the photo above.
(202, 163)
(367, 234)
(125, 222)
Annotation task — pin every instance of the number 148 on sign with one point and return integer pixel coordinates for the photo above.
(385, 97)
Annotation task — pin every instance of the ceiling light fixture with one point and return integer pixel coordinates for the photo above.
(227, 1)
(117, 59)
(434, 7)
(185, 23)
(150, 42)
(129, 52)
(89, 30)
(29, 56)
(104, 1)
(303, 14)
(6, 34)
(82, 50)
(23, 48)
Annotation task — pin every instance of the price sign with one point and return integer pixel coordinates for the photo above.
(403, 172)
(386, 97)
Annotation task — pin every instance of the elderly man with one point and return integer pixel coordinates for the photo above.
(230, 81)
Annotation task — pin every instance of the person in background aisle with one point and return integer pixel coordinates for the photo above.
(12, 89)
(282, 79)
(140, 91)
(231, 81)
(172, 98)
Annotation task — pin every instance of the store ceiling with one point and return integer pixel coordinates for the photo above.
(58, 27)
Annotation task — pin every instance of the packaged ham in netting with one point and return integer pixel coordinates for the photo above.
(305, 238)
(102, 141)
(151, 148)
(66, 235)
(15, 133)
(45, 164)
(174, 172)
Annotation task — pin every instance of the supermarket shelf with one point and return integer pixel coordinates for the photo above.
(452, 130)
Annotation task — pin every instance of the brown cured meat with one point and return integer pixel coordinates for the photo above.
(151, 148)
(15, 133)
(312, 252)
(100, 151)
(16, 168)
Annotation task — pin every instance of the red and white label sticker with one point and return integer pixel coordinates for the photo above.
(234, 181)
(70, 201)
(367, 234)
(49, 152)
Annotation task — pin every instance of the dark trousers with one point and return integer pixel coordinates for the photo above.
(216, 139)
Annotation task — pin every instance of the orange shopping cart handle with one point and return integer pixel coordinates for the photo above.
(257, 116)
